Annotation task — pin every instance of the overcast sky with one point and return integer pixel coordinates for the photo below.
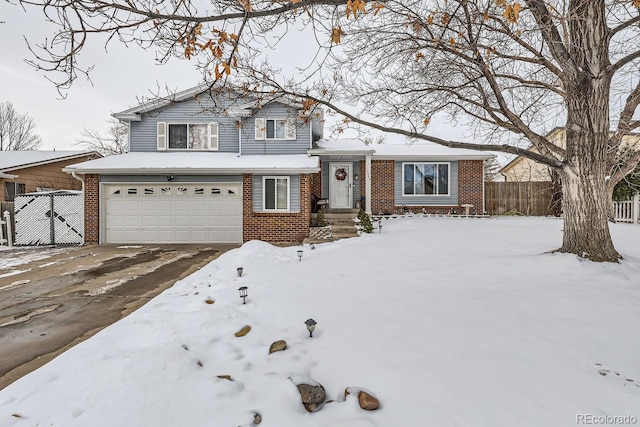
(120, 77)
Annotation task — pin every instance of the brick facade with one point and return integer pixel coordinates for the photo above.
(276, 227)
(470, 186)
(316, 184)
(91, 209)
(382, 186)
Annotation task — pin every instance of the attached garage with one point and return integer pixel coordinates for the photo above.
(172, 213)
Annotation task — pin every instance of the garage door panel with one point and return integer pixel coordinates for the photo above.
(173, 213)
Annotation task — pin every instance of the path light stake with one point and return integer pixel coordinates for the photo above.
(243, 293)
(239, 270)
(311, 326)
(380, 225)
(313, 246)
(300, 252)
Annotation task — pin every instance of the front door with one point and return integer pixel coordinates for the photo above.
(340, 185)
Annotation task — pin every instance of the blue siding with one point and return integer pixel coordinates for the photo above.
(143, 133)
(294, 195)
(275, 110)
(428, 200)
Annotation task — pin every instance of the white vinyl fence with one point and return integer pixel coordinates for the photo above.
(627, 211)
(55, 218)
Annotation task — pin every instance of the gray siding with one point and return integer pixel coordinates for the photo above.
(430, 200)
(143, 133)
(275, 110)
(325, 177)
(163, 178)
(294, 193)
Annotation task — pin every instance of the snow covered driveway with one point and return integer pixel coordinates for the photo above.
(52, 298)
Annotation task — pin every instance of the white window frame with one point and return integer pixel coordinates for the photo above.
(436, 164)
(164, 142)
(289, 128)
(264, 193)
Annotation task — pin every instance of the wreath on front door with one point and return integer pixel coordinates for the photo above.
(341, 174)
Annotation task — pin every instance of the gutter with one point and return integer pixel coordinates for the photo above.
(221, 171)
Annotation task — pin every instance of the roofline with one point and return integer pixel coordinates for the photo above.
(7, 176)
(133, 113)
(434, 157)
(335, 151)
(193, 171)
(46, 162)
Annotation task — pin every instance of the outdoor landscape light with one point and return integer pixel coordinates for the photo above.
(243, 293)
(239, 270)
(300, 252)
(380, 225)
(311, 325)
(313, 246)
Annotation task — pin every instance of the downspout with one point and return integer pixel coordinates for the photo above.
(239, 136)
(75, 175)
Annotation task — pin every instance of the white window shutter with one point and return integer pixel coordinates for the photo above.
(162, 135)
(261, 129)
(213, 136)
(290, 129)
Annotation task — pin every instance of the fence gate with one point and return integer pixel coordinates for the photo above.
(50, 218)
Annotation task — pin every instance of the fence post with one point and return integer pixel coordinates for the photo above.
(634, 208)
(7, 218)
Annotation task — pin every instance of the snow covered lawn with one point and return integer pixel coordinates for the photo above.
(449, 322)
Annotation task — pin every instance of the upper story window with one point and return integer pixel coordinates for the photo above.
(425, 179)
(187, 136)
(275, 129)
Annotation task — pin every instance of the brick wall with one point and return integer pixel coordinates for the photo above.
(91, 209)
(470, 177)
(382, 186)
(276, 227)
(316, 184)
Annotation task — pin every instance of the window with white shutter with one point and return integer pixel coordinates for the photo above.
(213, 136)
(261, 128)
(162, 136)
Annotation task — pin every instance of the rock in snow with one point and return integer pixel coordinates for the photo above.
(366, 399)
(278, 346)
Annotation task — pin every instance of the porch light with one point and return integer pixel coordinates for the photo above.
(170, 178)
(356, 177)
(300, 252)
(243, 293)
(311, 326)
(239, 270)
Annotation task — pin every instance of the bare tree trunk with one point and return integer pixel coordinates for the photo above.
(584, 186)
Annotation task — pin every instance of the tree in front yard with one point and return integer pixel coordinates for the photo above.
(113, 141)
(509, 69)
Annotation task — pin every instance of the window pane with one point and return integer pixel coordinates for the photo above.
(428, 183)
(9, 191)
(282, 193)
(269, 193)
(280, 128)
(408, 179)
(20, 188)
(198, 135)
(271, 129)
(443, 179)
(177, 136)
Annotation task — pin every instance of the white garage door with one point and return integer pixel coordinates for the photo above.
(173, 213)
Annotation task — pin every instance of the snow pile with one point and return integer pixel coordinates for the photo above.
(447, 321)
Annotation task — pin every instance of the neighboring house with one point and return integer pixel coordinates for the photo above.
(523, 169)
(224, 168)
(30, 171)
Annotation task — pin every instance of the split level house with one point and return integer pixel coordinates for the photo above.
(207, 168)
